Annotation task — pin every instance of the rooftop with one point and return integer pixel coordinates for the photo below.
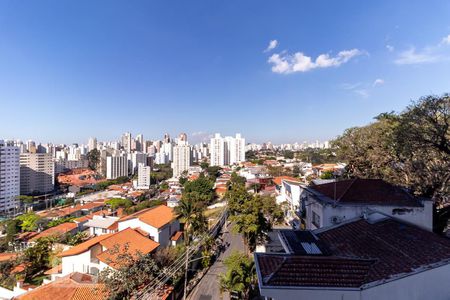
(368, 191)
(56, 231)
(355, 254)
(128, 240)
(157, 216)
(75, 286)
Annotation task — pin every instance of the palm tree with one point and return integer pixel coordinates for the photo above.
(240, 274)
(187, 212)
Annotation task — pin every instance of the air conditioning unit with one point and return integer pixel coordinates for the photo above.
(336, 219)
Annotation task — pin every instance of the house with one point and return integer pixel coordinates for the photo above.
(332, 203)
(71, 287)
(72, 211)
(57, 231)
(370, 258)
(159, 222)
(337, 169)
(102, 224)
(289, 193)
(102, 251)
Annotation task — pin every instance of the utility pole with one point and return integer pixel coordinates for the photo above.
(186, 272)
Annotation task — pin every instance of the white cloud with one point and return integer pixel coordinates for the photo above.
(272, 45)
(429, 54)
(446, 40)
(411, 56)
(377, 82)
(390, 48)
(361, 89)
(363, 93)
(285, 63)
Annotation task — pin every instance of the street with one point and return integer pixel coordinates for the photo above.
(209, 286)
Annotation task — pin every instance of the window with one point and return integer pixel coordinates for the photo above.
(316, 219)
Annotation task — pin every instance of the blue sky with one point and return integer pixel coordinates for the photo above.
(74, 69)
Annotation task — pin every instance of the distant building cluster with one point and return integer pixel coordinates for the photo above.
(292, 147)
(29, 168)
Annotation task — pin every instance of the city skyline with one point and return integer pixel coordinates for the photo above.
(301, 71)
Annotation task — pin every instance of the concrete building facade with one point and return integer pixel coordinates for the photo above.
(9, 175)
(37, 173)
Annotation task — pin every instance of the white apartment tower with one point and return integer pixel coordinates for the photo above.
(143, 181)
(181, 156)
(116, 166)
(217, 150)
(37, 173)
(227, 150)
(9, 175)
(126, 141)
(92, 144)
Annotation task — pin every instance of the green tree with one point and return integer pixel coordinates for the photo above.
(288, 154)
(296, 171)
(29, 221)
(93, 157)
(119, 202)
(190, 209)
(327, 175)
(213, 171)
(132, 271)
(37, 258)
(201, 188)
(409, 149)
(240, 274)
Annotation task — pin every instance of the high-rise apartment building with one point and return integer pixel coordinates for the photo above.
(126, 141)
(140, 144)
(227, 150)
(134, 159)
(217, 150)
(116, 166)
(92, 144)
(9, 175)
(37, 173)
(143, 181)
(181, 156)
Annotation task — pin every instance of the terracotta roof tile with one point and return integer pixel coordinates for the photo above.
(277, 180)
(55, 270)
(368, 191)
(157, 216)
(177, 236)
(83, 247)
(74, 286)
(126, 240)
(357, 253)
(7, 256)
(57, 230)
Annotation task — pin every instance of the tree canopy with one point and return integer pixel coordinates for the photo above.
(410, 149)
(240, 274)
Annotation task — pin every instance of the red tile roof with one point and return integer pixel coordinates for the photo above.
(7, 256)
(157, 216)
(75, 286)
(128, 240)
(177, 236)
(55, 270)
(360, 254)
(57, 230)
(83, 247)
(277, 180)
(367, 191)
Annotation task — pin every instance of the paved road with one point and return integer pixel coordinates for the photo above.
(208, 287)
